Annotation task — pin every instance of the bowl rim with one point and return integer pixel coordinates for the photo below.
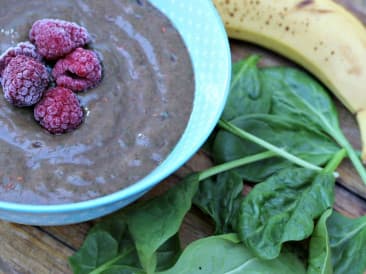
(147, 182)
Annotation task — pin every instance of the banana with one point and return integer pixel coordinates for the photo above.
(319, 35)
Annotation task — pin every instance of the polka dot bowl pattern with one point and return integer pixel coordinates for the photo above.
(207, 43)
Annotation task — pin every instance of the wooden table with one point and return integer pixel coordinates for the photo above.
(33, 249)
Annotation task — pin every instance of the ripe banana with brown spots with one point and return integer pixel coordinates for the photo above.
(319, 35)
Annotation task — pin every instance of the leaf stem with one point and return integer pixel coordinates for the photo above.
(235, 163)
(355, 159)
(335, 161)
(279, 151)
(108, 264)
(353, 155)
(252, 60)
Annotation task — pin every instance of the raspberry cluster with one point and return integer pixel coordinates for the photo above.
(46, 72)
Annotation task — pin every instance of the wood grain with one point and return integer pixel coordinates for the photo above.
(27, 249)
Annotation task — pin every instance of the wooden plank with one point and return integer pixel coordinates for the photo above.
(26, 249)
(71, 236)
(349, 204)
(196, 225)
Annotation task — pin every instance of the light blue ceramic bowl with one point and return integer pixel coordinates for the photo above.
(206, 40)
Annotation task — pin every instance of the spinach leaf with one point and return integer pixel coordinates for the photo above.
(116, 269)
(282, 132)
(98, 248)
(119, 243)
(157, 220)
(296, 94)
(320, 255)
(225, 254)
(220, 198)
(282, 209)
(246, 95)
(100, 252)
(348, 243)
(115, 224)
(168, 253)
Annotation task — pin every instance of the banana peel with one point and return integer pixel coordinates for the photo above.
(320, 35)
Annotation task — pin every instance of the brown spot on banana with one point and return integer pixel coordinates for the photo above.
(355, 68)
(320, 11)
(304, 3)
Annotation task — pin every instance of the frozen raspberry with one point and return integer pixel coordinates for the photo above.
(59, 111)
(22, 48)
(24, 81)
(55, 38)
(78, 71)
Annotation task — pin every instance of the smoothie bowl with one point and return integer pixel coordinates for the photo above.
(166, 74)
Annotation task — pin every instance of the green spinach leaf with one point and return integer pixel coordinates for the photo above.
(220, 198)
(157, 220)
(320, 260)
(100, 252)
(246, 95)
(348, 243)
(168, 253)
(282, 132)
(225, 254)
(119, 243)
(283, 208)
(296, 94)
(116, 269)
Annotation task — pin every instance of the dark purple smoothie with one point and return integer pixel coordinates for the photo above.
(133, 118)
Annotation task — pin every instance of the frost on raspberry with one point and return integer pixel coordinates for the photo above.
(78, 71)
(59, 111)
(22, 48)
(55, 38)
(24, 80)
